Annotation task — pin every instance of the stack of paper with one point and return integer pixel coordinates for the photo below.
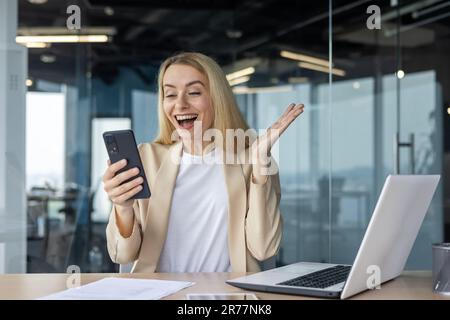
(121, 289)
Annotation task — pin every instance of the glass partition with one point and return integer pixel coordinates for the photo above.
(387, 115)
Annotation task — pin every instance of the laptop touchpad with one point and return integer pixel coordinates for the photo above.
(302, 268)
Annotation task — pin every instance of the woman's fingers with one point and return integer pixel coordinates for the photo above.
(274, 132)
(113, 168)
(285, 113)
(261, 147)
(120, 193)
(285, 121)
(124, 188)
(294, 114)
(288, 109)
(126, 196)
(120, 178)
(293, 109)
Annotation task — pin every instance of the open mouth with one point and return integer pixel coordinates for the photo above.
(186, 121)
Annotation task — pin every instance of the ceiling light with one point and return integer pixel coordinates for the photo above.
(48, 58)
(417, 14)
(62, 38)
(310, 66)
(109, 11)
(54, 30)
(448, 110)
(240, 73)
(400, 74)
(234, 33)
(37, 45)
(29, 82)
(305, 58)
(239, 80)
(37, 1)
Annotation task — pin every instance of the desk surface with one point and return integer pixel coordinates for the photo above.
(411, 285)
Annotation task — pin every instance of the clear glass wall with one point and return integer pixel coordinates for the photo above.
(304, 149)
(387, 115)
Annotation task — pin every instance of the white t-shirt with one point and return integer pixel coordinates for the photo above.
(197, 235)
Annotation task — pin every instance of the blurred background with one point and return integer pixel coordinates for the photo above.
(376, 93)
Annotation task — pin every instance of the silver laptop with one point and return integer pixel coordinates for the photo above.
(382, 255)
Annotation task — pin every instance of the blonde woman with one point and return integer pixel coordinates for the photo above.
(204, 214)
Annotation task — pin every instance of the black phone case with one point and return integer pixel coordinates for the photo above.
(121, 144)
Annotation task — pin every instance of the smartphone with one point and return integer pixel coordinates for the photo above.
(221, 296)
(121, 144)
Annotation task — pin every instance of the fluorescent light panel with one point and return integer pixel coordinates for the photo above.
(239, 80)
(240, 73)
(62, 38)
(37, 1)
(50, 31)
(37, 45)
(310, 66)
(304, 58)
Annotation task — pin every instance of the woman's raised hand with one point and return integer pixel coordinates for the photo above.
(263, 144)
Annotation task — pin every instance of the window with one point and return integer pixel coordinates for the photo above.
(45, 139)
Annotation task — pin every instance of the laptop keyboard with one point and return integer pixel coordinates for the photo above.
(320, 279)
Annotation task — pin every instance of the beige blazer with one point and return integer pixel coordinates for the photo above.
(254, 220)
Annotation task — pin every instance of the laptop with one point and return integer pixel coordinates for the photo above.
(392, 230)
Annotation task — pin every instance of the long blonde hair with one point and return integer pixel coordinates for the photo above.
(226, 112)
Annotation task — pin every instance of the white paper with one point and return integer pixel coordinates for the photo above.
(121, 289)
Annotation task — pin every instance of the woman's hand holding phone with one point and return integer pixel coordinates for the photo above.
(120, 194)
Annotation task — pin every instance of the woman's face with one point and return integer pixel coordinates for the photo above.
(186, 98)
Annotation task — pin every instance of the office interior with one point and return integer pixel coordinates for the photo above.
(377, 103)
